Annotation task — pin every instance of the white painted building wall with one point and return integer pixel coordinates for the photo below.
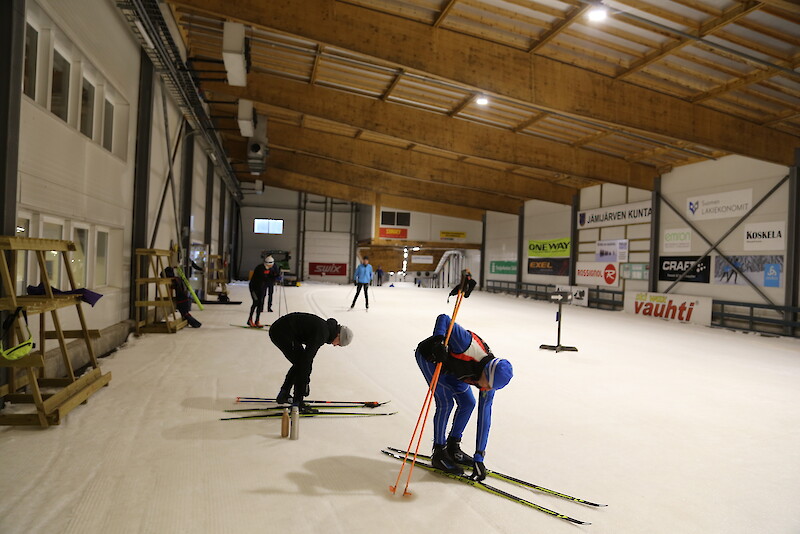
(501, 243)
(544, 221)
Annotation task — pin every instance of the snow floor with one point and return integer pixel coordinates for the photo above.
(678, 428)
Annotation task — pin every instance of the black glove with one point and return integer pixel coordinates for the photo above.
(355, 284)
(438, 350)
(478, 471)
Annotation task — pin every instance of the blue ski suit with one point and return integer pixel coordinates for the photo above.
(467, 357)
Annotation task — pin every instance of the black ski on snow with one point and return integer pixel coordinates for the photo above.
(276, 415)
(487, 488)
(508, 478)
(326, 403)
(282, 406)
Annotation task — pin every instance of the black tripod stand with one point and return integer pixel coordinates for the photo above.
(560, 297)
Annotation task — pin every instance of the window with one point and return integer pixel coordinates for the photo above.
(108, 126)
(81, 239)
(52, 231)
(268, 226)
(59, 101)
(87, 108)
(395, 218)
(29, 72)
(101, 260)
(23, 230)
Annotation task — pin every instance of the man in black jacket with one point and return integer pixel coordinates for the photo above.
(299, 336)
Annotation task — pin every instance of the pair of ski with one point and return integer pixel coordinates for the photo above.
(277, 411)
(423, 461)
(264, 327)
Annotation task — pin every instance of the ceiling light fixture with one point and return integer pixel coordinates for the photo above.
(482, 100)
(597, 13)
(233, 53)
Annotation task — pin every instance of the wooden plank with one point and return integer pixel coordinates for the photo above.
(158, 303)
(82, 395)
(24, 419)
(504, 71)
(34, 359)
(35, 243)
(73, 334)
(52, 403)
(54, 382)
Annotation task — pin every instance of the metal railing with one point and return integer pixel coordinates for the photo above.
(604, 299)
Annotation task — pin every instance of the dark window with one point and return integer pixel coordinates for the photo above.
(108, 126)
(395, 218)
(87, 108)
(59, 101)
(403, 218)
(388, 218)
(31, 49)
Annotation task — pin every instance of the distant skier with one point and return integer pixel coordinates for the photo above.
(181, 298)
(299, 336)
(466, 361)
(379, 276)
(263, 280)
(362, 278)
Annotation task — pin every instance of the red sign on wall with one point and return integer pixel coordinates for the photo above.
(393, 233)
(328, 269)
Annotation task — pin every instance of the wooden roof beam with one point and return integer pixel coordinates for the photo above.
(558, 27)
(438, 131)
(443, 13)
(507, 72)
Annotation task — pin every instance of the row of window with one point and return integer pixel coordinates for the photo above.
(395, 218)
(89, 262)
(90, 105)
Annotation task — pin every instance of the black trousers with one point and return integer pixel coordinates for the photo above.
(258, 301)
(299, 375)
(366, 294)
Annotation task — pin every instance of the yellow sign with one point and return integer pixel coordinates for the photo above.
(452, 236)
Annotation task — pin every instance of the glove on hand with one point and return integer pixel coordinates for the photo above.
(478, 471)
(439, 351)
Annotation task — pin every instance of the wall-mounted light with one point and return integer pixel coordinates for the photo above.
(245, 118)
(233, 53)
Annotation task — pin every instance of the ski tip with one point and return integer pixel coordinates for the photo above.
(392, 489)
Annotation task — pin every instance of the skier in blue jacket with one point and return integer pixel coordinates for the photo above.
(466, 361)
(362, 278)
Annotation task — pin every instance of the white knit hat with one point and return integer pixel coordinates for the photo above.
(345, 336)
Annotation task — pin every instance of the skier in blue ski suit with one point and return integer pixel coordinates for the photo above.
(466, 361)
(362, 277)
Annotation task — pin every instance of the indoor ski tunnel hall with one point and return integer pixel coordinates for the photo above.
(677, 428)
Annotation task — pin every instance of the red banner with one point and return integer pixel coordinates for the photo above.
(329, 269)
(394, 233)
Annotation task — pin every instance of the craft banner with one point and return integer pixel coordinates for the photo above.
(670, 268)
(551, 248)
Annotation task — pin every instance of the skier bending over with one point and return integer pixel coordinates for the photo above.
(466, 361)
(299, 336)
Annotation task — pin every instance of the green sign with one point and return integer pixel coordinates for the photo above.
(552, 248)
(503, 267)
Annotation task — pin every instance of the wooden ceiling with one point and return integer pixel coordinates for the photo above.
(376, 101)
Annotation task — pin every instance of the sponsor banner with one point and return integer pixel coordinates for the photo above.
(719, 205)
(550, 248)
(556, 266)
(611, 250)
(765, 236)
(764, 271)
(503, 267)
(671, 267)
(393, 233)
(681, 308)
(638, 212)
(635, 271)
(677, 240)
(597, 273)
(580, 295)
(452, 236)
(421, 259)
(328, 269)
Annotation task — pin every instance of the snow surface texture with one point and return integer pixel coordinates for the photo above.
(678, 428)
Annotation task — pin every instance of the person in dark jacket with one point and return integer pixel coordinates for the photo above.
(181, 298)
(299, 336)
(262, 281)
(466, 361)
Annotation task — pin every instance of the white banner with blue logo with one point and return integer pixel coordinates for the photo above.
(719, 205)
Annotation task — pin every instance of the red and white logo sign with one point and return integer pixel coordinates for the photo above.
(610, 274)
(328, 269)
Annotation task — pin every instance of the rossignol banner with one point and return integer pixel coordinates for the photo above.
(681, 308)
(638, 212)
(580, 295)
(611, 250)
(551, 248)
(719, 205)
(328, 269)
(503, 267)
(597, 273)
(554, 266)
(765, 236)
(670, 268)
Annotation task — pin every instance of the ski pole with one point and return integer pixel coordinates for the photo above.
(426, 405)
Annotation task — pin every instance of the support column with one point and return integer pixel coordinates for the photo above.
(187, 177)
(482, 280)
(792, 248)
(655, 235)
(223, 198)
(573, 238)
(12, 55)
(209, 216)
(522, 250)
(141, 173)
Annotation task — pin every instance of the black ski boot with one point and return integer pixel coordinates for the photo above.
(283, 397)
(306, 409)
(454, 450)
(442, 460)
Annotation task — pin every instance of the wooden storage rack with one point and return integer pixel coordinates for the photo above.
(50, 407)
(216, 276)
(157, 315)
